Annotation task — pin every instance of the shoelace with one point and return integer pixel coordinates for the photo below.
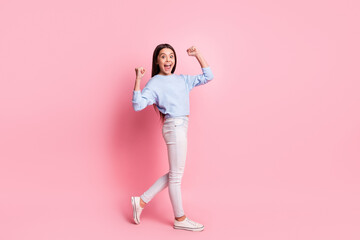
(192, 222)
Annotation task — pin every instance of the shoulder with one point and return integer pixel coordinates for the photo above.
(152, 82)
(183, 76)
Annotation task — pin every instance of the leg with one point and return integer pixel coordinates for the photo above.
(175, 135)
(157, 187)
(138, 203)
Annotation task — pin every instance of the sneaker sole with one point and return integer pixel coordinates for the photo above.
(134, 210)
(190, 229)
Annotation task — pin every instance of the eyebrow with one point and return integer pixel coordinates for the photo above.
(164, 53)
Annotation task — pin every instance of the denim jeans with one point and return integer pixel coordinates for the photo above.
(174, 132)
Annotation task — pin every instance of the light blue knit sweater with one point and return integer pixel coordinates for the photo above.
(170, 93)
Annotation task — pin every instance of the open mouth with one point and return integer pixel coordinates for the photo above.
(167, 67)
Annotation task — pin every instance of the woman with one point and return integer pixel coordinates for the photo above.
(169, 93)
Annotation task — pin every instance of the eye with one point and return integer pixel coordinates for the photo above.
(172, 56)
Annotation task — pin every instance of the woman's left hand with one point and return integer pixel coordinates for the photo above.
(192, 51)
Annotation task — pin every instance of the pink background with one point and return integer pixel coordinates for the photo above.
(273, 141)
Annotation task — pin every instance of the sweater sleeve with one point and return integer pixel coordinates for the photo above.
(197, 80)
(143, 98)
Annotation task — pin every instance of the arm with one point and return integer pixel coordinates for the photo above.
(137, 84)
(193, 51)
(197, 80)
(143, 98)
(201, 60)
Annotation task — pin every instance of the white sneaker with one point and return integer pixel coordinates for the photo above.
(188, 224)
(137, 209)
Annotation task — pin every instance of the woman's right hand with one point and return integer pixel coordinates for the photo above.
(140, 71)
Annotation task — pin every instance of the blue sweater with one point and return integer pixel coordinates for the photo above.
(170, 93)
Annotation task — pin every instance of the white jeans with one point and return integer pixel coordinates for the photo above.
(174, 132)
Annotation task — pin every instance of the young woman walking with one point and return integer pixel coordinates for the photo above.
(169, 93)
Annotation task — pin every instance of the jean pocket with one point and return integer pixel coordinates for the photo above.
(180, 122)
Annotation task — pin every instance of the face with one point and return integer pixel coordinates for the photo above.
(166, 61)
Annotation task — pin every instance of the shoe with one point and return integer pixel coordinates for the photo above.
(189, 225)
(137, 209)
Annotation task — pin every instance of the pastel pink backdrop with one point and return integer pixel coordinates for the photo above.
(273, 142)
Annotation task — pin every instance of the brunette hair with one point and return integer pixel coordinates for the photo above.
(156, 68)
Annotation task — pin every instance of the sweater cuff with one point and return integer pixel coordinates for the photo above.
(205, 68)
(208, 73)
(136, 94)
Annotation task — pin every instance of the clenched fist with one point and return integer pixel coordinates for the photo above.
(192, 51)
(140, 71)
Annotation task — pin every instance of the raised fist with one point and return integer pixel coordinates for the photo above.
(192, 51)
(140, 71)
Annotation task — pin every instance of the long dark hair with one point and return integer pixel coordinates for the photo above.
(156, 68)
